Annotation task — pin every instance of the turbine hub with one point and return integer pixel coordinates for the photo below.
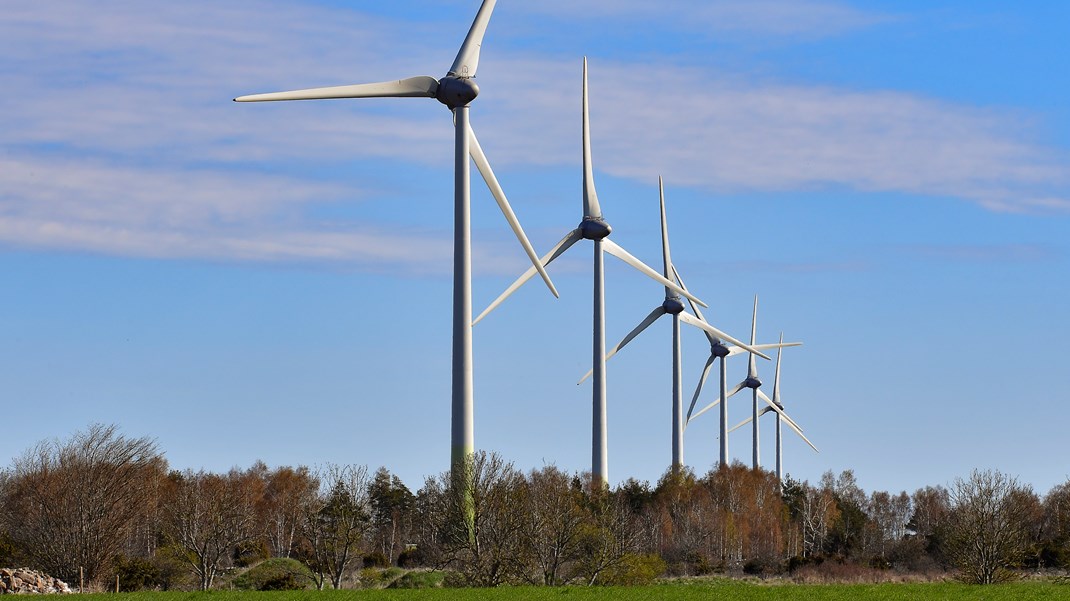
(594, 228)
(719, 350)
(456, 92)
(752, 382)
(673, 306)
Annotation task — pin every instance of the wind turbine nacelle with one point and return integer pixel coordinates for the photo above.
(594, 229)
(673, 306)
(719, 350)
(752, 382)
(456, 91)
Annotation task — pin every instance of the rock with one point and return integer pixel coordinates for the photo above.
(27, 581)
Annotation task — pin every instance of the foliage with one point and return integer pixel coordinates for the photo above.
(73, 503)
(677, 591)
(278, 574)
(634, 570)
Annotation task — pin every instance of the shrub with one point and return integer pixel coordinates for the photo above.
(251, 553)
(135, 574)
(376, 559)
(635, 570)
(410, 558)
(278, 574)
(420, 579)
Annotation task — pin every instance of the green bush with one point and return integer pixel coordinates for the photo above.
(278, 574)
(135, 574)
(379, 578)
(251, 553)
(635, 570)
(420, 579)
(376, 559)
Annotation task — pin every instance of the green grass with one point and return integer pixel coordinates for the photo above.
(704, 591)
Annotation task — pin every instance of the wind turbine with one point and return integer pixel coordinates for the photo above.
(456, 90)
(593, 227)
(673, 306)
(719, 350)
(775, 405)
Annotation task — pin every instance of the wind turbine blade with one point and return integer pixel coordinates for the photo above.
(777, 408)
(694, 307)
(748, 420)
(731, 392)
(614, 249)
(752, 368)
(701, 382)
(591, 208)
(737, 350)
(666, 257)
(651, 318)
(569, 239)
(467, 60)
(776, 374)
(503, 203)
(793, 426)
(705, 409)
(413, 87)
(698, 323)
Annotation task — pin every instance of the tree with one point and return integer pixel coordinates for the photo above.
(392, 504)
(280, 510)
(987, 533)
(73, 504)
(208, 517)
(335, 522)
(552, 517)
(482, 521)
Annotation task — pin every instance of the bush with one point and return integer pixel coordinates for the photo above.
(420, 579)
(635, 570)
(763, 566)
(410, 558)
(278, 574)
(251, 553)
(379, 578)
(376, 559)
(135, 574)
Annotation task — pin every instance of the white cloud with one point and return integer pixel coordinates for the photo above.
(809, 18)
(119, 136)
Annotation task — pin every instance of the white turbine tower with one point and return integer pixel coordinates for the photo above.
(776, 406)
(719, 350)
(673, 306)
(593, 227)
(456, 90)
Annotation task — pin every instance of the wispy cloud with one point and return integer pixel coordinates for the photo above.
(119, 136)
(809, 18)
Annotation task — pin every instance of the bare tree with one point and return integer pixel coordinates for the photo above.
(208, 517)
(280, 509)
(551, 520)
(987, 534)
(490, 552)
(335, 523)
(73, 504)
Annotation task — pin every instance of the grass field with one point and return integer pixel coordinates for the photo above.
(734, 591)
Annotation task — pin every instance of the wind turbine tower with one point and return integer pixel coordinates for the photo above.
(593, 227)
(672, 305)
(456, 90)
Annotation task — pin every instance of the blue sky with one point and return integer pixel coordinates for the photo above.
(272, 282)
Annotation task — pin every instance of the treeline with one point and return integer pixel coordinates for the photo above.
(102, 506)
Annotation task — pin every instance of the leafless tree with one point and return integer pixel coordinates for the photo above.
(280, 511)
(210, 515)
(551, 520)
(336, 522)
(74, 503)
(987, 530)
